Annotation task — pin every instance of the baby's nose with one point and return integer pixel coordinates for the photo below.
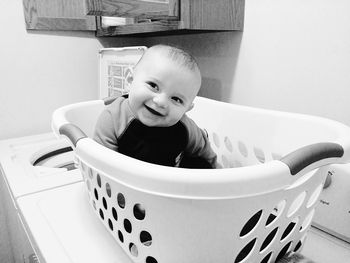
(160, 100)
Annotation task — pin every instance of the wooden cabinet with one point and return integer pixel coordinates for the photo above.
(148, 16)
(168, 15)
(134, 8)
(57, 15)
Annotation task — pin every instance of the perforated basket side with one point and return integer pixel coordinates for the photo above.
(153, 228)
(254, 213)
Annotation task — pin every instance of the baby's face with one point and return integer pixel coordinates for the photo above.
(162, 91)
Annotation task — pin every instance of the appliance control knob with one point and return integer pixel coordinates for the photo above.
(328, 180)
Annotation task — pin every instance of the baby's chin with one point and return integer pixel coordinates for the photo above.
(161, 124)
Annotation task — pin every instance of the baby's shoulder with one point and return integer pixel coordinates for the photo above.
(118, 106)
(192, 128)
(117, 102)
(120, 114)
(187, 122)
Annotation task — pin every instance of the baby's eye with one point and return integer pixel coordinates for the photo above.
(177, 100)
(153, 85)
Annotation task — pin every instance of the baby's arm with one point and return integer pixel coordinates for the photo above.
(105, 132)
(198, 143)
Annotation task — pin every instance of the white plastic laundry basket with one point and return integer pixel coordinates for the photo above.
(257, 209)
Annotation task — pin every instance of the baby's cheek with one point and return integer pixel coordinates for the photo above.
(178, 115)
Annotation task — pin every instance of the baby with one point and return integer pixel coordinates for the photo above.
(151, 124)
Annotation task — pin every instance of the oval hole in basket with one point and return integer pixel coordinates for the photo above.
(228, 144)
(108, 190)
(307, 220)
(244, 253)
(133, 249)
(299, 244)
(283, 251)
(98, 179)
(88, 184)
(145, 238)
(225, 162)
(216, 140)
(120, 236)
(296, 204)
(104, 202)
(150, 259)
(266, 258)
(91, 175)
(251, 223)
(121, 200)
(96, 193)
(314, 196)
(110, 224)
(268, 240)
(242, 149)
(83, 168)
(276, 212)
(139, 212)
(127, 225)
(101, 214)
(259, 154)
(289, 229)
(115, 214)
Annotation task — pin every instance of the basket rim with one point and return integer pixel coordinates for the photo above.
(195, 183)
(183, 182)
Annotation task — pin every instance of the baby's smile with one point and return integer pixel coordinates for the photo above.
(154, 111)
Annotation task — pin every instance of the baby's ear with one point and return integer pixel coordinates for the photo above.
(190, 107)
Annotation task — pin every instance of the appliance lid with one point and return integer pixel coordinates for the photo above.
(35, 163)
(58, 158)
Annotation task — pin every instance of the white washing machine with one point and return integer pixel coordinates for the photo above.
(39, 165)
(65, 229)
(28, 165)
(50, 219)
(48, 215)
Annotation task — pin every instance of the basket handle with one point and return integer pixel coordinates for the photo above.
(73, 132)
(303, 157)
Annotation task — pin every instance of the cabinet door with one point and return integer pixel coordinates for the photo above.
(212, 14)
(155, 9)
(168, 16)
(57, 15)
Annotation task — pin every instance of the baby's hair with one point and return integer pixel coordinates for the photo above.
(177, 55)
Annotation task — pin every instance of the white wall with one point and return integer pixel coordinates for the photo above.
(293, 55)
(40, 72)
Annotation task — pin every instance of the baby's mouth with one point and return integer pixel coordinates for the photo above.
(154, 111)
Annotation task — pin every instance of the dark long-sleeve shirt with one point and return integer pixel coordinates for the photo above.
(118, 129)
